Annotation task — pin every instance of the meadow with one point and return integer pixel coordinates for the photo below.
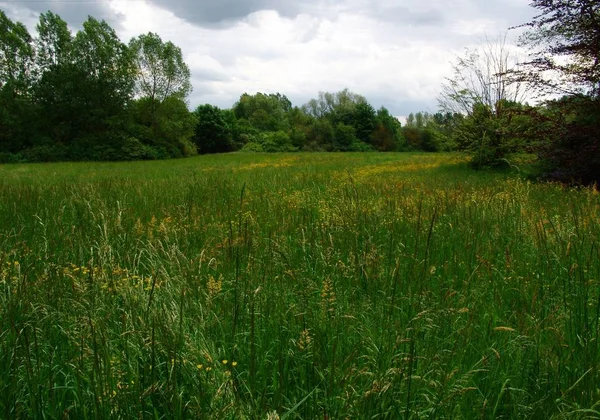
(296, 286)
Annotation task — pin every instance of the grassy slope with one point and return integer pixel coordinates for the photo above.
(338, 285)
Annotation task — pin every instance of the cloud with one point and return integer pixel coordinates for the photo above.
(74, 12)
(395, 55)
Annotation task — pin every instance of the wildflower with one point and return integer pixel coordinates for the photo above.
(234, 364)
(225, 361)
(199, 366)
(214, 286)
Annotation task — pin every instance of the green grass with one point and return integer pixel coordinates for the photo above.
(296, 286)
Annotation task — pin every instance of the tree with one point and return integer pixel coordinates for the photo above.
(345, 137)
(564, 46)
(387, 135)
(16, 55)
(53, 43)
(264, 112)
(480, 89)
(364, 121)
(16, 67)
(213, 134)
(343, 109)
(55, 85)
(103, 78)
(162, 71)
(336, 106)
(162, 77)
(481, 76)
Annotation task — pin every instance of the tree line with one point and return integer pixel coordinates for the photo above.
(89, 96)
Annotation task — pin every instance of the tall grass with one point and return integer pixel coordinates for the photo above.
(296, 286)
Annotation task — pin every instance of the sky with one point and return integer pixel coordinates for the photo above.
(395, 53)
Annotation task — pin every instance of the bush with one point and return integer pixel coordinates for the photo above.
(252, 147)
(187, 147)
(359, 146)
(571, 150)
(277, 141)
(133, 149)
(45, 153)
(6, 157)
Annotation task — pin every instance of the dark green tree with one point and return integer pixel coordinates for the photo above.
(16, 74)
(213, 133)
(564, 45)
(387, 135)
(102, 82)
(57, 82)
(364, 121)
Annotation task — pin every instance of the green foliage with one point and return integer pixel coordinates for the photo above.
(16, 58)
(16, 55)
(364, 120)
(491, 137)
(277, 141)
(321, 135)
(213, 133)
(570, 151)
(161, 71)
(53, 43)
(102, 81)
(263, 112)
(162, 84)
(345, 137)
(422, 133)
(252, 147)
(387, 135)
(564, 47)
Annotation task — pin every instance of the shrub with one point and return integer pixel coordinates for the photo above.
(45, 153)
(252, 147)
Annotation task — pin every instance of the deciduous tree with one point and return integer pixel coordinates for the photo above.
(564, 46)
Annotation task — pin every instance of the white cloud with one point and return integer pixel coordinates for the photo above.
(396, 56)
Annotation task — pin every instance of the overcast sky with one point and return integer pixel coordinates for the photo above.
(396, 53)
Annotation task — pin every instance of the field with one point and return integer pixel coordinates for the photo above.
(314, 286)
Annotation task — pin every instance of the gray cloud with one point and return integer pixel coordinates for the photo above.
(394, 53)
(223, 13)
(73, 12)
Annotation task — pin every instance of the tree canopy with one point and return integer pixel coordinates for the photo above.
(564, 45)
